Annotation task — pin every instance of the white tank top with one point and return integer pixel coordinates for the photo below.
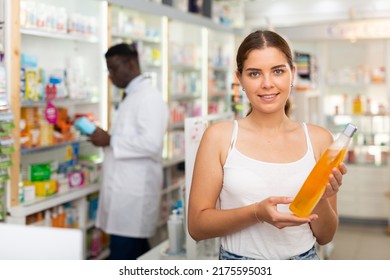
(246, 181)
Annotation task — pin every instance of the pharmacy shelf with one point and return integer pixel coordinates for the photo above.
(62, 36)
(184, 96)
(175, 186)
(177, 125)
(25, 151)
(60, 102)
(43, 203)
(165, 10)
(173, 161)
(136, 38)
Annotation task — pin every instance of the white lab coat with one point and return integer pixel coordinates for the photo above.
(129, 200)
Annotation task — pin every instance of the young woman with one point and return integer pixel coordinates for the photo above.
(247, 172)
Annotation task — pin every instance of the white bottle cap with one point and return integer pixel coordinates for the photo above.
(174, 216)
(350, 130)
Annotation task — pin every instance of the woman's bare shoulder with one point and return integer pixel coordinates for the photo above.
(320, 137)
(319, 131)
(215, 141)
(220, 130)
(218, 135)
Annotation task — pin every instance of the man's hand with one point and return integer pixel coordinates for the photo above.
(100, 138)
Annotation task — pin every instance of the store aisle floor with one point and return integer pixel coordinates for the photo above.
(361, 242)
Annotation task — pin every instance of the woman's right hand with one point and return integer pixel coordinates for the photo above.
(266, 211)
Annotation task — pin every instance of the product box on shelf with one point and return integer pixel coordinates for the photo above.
(43, 188)
(29, 193)
(39, 172)
(76, 179)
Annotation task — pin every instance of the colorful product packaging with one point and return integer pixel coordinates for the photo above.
(43, 188)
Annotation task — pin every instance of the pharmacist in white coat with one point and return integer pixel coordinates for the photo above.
(129, 200)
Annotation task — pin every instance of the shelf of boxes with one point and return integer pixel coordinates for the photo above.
(20, 212)
(68, 81)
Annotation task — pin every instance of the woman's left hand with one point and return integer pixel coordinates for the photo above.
(335, 181)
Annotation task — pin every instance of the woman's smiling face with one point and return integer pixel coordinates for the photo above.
(267, 79)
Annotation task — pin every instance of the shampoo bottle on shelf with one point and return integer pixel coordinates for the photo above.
(314, 186)
(175, 233)
(47, 219)
(357, 105)
(61, 216)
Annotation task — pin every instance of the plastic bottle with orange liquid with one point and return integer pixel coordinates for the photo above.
(314, 186)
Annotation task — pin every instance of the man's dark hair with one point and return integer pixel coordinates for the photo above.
(124, 50)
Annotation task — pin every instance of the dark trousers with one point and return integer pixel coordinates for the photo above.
(127, 248)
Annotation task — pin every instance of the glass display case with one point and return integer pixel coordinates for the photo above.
(220, 71)
(356, 90)
(354, 87)
(54, 88)
(146, 32)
